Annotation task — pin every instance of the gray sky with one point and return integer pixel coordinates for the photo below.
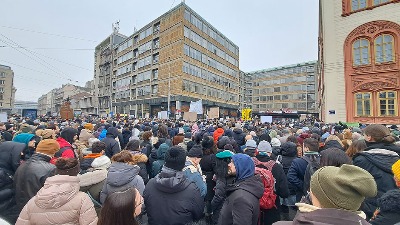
(268, 33)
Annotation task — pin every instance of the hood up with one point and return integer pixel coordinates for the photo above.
(171, 181)
(121, 173)
(113, 132)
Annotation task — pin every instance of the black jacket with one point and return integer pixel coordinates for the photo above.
(378, 162)
(181, 200)
(289, 153)
(239, 136)
(242, 205)
(30, 177)
(126, 134)
(112, 146)
(207, 164)
(332, 144)
(10, 157)
(7, 136)
(389, 208)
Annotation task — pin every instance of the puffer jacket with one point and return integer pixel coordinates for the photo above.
(10, 157)
(112, 146)
(30, 177)
(121, 177)
(182, 203)
(93, 182)
(59, 202)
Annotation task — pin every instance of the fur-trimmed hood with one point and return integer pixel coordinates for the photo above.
(139, 157)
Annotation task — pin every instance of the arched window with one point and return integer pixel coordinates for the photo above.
(361, 52)
(384, 48)
(358, 4)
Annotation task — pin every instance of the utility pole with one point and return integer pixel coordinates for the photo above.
(169, 85)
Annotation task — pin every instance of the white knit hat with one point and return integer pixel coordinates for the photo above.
(275, 142)
(102, 162)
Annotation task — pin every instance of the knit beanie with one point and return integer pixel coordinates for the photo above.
(23, 138)
(264, 146)
(275, 142)
(46, 133)
(89, 126)
(196, 152)
(343, 187)
(396, 169)
(67, 166)
(85, 135)
(102, 162)
(175, 158)
(251, 144)
(48, 147)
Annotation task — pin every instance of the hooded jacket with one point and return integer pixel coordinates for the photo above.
(30, 177)
(141, 159)
(121, 177)
(25, 138)
(182, 203)
(93, 182)
(66, 149)
(378, 162)
(332, 144)
(158, 164)
(112, 146)
(239, 136)
(59, 202)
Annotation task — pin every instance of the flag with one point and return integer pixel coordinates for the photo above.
(196, 107)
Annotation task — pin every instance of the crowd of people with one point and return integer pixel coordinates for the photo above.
(173, 172)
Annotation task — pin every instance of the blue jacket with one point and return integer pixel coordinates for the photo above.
(296, 173)
(195, 176)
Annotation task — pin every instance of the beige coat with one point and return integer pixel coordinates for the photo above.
(59, 202)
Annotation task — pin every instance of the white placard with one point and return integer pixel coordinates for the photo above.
(164, 115)
(3, 117)
(266, 119)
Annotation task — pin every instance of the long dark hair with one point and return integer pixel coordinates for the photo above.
(119, 208)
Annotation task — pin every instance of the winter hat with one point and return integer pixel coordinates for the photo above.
(396, 169)
(46, 133)
(251, 144)
(89, 126)
(207, 142)
(264, 146)
(8, 126)
(102, 162)
(162, 149)
(343, 187)
(175, 158)
(275, 142)
(273, 134)
(196, 152)
(85, 135)
(67, 166)
(244, 166)
(181, 131)
(92, 140)
(48, 147)
(23, 138)
(188, 135)
(224, 154)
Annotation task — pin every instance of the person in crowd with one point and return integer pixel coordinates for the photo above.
(179, 137)
(299, 147)
(347, 139)
(127, 134)
(388, 209)
(182, 201)
(242, 204)
(60, 201)
(218, 133)
(30, 143)
(333, 141)
(263, 160)
(46, 134)
(112, 145)
(121, 208)
(122, 175)
(139, 158)
(98, 150)
(299, 166)
(10, 159)
(158, 164)
(31, 175)
(67, 138)
(337, 194)
(83, 142)
(377, 159)
(334, 157)
(356, 147)
(239, 135)
(192, 169)
(6, 131)
(286, 133)
(396, 172)
(250, 148)
(276, 147)
(184, 144)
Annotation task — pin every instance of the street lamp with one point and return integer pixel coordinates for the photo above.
(169, 86)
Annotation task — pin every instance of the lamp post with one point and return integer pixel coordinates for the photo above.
(169, 86)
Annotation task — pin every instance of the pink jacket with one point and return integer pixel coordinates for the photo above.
(59, 202)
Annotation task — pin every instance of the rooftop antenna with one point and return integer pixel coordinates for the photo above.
(115, 26)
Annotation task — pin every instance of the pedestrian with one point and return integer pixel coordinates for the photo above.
(183, 203)
(192, 169)
(98, 150)
(60, 201)
(242, 204)
(159, 162)
(30, 144)
(139, 158)
(389, 207)
(66, 140)
(356, 147)
(112, 145)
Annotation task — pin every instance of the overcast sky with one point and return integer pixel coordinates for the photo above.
(61, 35)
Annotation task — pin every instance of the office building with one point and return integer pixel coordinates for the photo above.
(7, 89)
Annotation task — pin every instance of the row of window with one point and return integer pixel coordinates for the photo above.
(197, 55)
(2, 82)
(302, 97)
(126, 57)
(123, 84)
(207, 75)
(289, 105)
(144, 61)
(210, 32)
(149, 31)
(310, 79)
(190, 86)
(284, 72)
(362, 4)
(383, 50)
(2, 74)
(193, 36)
(387, 103)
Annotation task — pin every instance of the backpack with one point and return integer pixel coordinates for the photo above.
(267, 201)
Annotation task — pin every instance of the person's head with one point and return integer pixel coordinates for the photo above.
(241, 166)
(175, 158)
(67, 166)
(275, 142)
(264, 148)
(88, 126)
(162, 131)
(69, 134)
(133, 145)
(123, 157)
(310, 145)
(333, 137)
(344, 187)
(195, 153)
(147, 135)
(99, 147)
(334, 157)
(208, 145)
(46, 134)
(292, 139)
(396, 172)
(249, 137)
(121, 208)
(356, 147)
(27, 139)
(48, 147)
(378, 133)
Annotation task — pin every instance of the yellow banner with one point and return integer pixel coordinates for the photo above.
(246, 114)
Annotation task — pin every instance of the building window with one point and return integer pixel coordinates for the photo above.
(378, 2)
(2, 82)
(387, 103)
(363, 104)
(384, 45)
(361, 53)
(358, 4)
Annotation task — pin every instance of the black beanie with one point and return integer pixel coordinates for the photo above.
(175, 158)
(196, 151)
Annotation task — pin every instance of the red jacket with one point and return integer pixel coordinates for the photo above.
(67, 153)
